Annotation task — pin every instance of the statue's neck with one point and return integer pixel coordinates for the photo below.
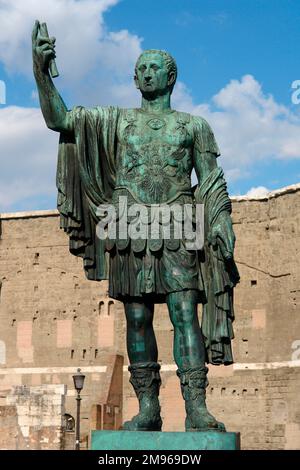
(158, 104)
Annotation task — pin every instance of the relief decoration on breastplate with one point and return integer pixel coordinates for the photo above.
(155, 157)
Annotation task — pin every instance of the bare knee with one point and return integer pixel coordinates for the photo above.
(182, 315)
(182, 310)
(137, 317)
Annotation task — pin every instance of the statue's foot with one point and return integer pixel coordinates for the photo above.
(143, 423)
(202, 420)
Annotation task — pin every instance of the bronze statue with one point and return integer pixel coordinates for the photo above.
(146, 155)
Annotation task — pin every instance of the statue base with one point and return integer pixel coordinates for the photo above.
(144, 440)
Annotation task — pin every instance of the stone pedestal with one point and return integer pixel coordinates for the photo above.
(133, 440)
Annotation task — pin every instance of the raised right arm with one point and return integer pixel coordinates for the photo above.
(53, 107)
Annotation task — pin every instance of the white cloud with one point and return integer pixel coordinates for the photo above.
(86, 50)
(249, 125)
(96, 67)
(113, 54)
(27, 158)
(106, 92)
(258, 191)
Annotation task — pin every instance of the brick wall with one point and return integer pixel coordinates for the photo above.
(52, 320)
(267, 333)
(33, 418)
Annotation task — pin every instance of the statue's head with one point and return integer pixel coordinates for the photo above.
(155, 73)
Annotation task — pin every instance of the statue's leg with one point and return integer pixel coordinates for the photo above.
(144, 369)
(141, 341)
(189, 355)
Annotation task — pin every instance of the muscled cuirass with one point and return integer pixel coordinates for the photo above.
(154, 155)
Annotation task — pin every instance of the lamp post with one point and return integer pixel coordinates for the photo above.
(78, 384)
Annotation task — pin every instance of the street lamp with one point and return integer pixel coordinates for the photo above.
(78, 384)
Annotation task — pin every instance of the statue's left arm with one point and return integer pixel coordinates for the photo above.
(217, 265)
(220, 231)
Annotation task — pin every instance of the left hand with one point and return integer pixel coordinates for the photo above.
(222, 235)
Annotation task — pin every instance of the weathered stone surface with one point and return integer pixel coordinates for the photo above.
(32, 418)
(44, 292)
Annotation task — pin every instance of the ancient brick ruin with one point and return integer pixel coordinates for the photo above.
(52, 320)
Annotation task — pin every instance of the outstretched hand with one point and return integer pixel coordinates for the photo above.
(43, 49)
(222, 235)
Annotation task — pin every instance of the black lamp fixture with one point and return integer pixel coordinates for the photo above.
(78, 384)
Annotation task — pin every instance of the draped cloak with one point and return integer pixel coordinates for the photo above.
(86, 173)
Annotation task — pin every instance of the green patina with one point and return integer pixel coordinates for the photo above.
(112, 440)
(147, 155)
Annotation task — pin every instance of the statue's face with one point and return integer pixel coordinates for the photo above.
(152, 77)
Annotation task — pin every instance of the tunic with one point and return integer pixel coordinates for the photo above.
(149, 159)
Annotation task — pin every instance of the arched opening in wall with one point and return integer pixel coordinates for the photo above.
(101, 307)
(111, 307)
(106, 324)
(68, 423)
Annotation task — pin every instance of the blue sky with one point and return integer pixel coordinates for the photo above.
(237, 60)
(217, 40)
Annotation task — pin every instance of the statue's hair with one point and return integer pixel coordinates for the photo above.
(169, 61)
